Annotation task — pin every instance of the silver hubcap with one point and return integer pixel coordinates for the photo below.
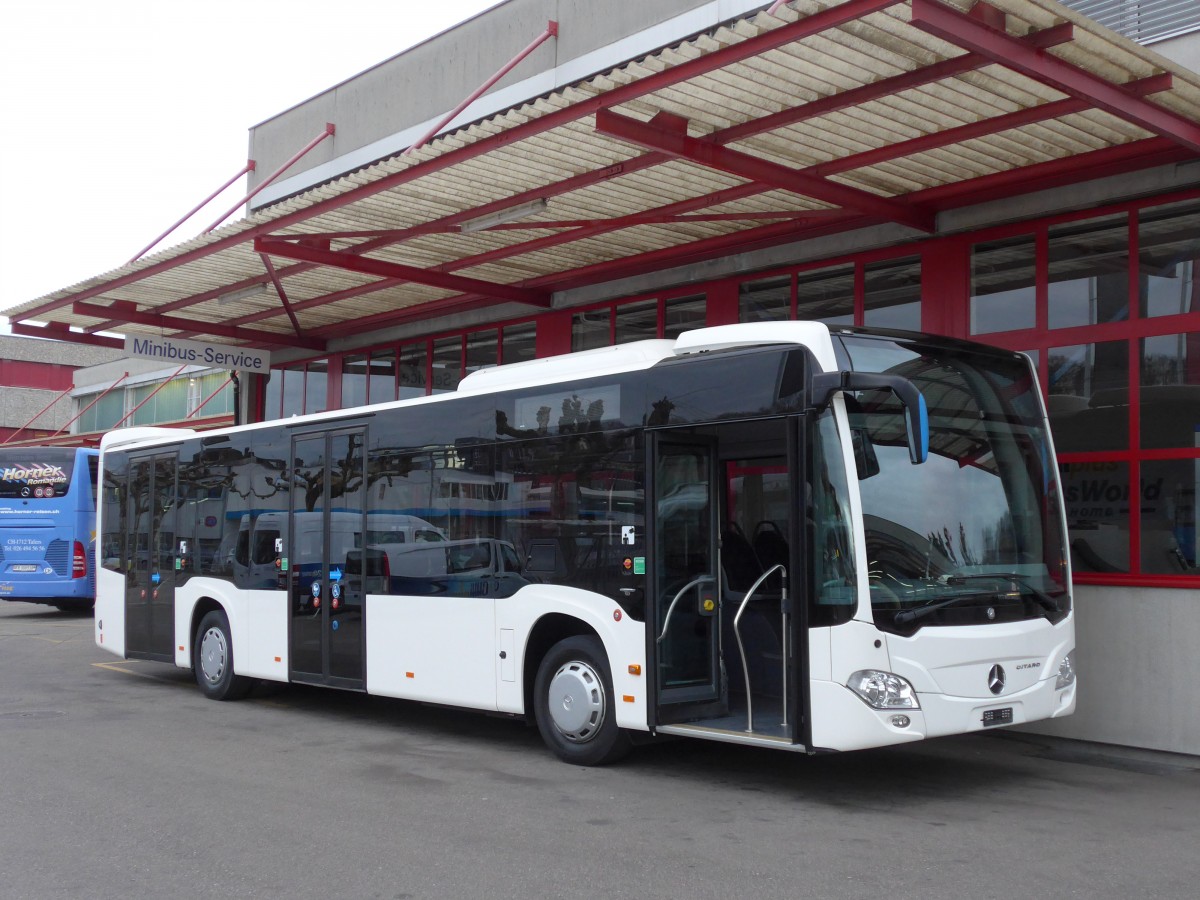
(214, 655)
(577, 701)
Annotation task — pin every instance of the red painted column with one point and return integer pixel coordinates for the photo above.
(722, 304)
(946, 287)
(553, 334)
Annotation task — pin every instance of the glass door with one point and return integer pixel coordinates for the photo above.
(325, 530)
(686, 588)
(152, 555)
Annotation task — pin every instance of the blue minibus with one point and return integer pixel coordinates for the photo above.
(48, 525)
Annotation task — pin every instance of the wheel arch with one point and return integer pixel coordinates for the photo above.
(546, 632)
(201, 608)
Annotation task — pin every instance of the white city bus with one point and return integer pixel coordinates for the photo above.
(778, 535)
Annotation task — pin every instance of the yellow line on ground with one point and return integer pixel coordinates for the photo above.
(116, 667)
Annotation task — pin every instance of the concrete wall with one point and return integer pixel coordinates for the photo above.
(1184, 50)
(19, 405)
(1138, 669)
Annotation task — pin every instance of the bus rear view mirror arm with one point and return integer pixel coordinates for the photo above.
(916, 416)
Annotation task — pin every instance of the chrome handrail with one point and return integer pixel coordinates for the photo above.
(737, 619)
(683, 590)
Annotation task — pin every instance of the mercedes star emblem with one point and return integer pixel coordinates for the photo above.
(996, 679)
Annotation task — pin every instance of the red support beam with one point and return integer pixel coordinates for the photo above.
(551, 31)
(283, 297)
(330, 129)
(176, 323)
(37, 415)
(994, 125)
(674, 140)
(104, 393)
(204, 402)
(60, 331)
(249, 167)
(1047, 37)
(971, 34)
(150, 395)
(768, 40)
(364, 265)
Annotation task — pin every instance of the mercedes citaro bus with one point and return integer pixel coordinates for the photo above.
(782, 534)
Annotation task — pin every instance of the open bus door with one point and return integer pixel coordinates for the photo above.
(726, 533)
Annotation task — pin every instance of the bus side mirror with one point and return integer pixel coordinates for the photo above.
(916, 416)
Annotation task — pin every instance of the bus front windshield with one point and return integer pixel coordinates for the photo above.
(974, 535)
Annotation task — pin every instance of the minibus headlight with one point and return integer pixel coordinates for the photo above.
(883, 690)
(1066, 672)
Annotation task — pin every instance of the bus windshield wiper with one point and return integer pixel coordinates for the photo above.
(1044, 600)
(911, 615)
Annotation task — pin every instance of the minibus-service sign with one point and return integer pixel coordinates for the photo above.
(197, 353)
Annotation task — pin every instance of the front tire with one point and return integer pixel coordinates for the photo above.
(573, 704)
(212, 660)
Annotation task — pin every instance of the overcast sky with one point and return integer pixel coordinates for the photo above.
(118, 116)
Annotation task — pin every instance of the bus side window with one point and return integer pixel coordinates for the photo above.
(94, 475)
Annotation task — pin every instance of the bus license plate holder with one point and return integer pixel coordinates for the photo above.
(993, 717)
(24, 567)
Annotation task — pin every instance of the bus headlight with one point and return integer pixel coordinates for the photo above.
(1066, 672)
(883, 690)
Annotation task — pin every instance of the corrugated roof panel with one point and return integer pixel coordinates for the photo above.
(515, 155)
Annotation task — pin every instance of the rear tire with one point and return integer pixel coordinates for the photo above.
(573, 704)
(212, 660)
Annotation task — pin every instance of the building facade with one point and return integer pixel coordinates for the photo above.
(37, 377)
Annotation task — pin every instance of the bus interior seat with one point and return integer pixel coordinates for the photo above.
(770, 546)
(738, 559)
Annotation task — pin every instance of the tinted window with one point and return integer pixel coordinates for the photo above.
(36, 471)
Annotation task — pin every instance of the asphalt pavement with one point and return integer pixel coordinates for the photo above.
(120, 780)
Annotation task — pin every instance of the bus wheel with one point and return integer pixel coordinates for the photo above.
(573, 704)
(212, 660)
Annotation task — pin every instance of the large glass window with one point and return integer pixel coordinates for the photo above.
(316, 387)
(381, 377)
(591, 329)
(636, 322)
(1089, 396)
(1003, 285)
(483, 348)
(354, 379)
(412, 378)
(1097, 505)
(892, 294)
(1170, 391)
(1168, 248)
(1170, 544)
(683, 314)
(518, 343)
(826, 295)
(447, 364)
(293, 392)
(1086, 285)
(766, 300)
(1088, 272)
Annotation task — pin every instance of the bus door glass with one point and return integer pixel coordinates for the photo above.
(326, 527)
(150, 556)
(685, 578)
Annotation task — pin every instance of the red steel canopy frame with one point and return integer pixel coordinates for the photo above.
(981, 34)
